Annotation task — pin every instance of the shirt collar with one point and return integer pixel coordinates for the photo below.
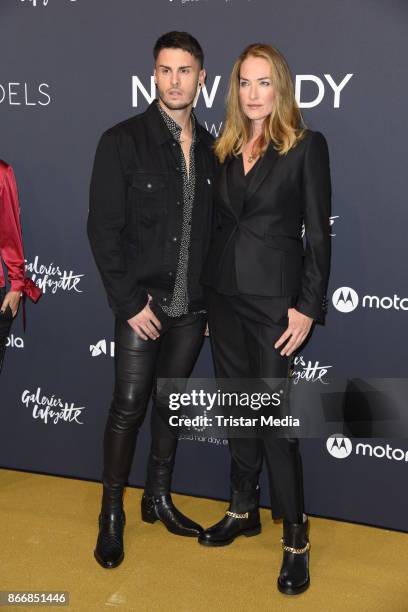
(173, 127)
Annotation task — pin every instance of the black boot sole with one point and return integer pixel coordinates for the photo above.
(291, 590)
(248, 533)
(108, 565)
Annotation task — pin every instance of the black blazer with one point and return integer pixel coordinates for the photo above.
(135, 216)
(266, 236)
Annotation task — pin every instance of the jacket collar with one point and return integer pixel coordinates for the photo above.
(173, 127)
(161, 133)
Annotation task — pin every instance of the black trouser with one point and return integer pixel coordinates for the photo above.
(138, 363)
(6, 320)
(243, 330)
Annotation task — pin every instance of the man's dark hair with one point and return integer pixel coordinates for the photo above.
(179, 40)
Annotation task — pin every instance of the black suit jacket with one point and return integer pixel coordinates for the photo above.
(266, 235)
(136, 212)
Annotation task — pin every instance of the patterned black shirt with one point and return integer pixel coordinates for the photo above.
(179, 300)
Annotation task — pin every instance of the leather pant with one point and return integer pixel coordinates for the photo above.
(243, 330)
(6, 321)
(138, 363)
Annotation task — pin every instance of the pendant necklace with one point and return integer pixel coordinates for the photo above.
(252, 156)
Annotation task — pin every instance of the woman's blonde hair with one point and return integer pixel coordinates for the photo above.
(284, 127)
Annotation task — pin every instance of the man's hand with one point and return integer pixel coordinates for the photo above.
(12, 299)
(145, 323)
(298, 329)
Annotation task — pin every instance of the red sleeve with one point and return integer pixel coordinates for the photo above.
(11, 245)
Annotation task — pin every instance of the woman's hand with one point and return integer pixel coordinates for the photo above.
(298, 329)
(12, 299)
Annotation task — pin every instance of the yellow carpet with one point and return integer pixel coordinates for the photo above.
(49, 529)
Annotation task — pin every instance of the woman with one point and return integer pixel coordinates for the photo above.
(264, 289)
(11, 252)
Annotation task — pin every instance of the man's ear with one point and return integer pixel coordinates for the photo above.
(154, 76)
(202, 77)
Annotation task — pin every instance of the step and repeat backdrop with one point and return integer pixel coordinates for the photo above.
(72, 68)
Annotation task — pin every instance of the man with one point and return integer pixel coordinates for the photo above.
(149, 227)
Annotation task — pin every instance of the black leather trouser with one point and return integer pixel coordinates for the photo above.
(138, 363)
(6, 321)
(243, 330)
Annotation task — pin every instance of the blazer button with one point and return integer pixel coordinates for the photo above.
(178, 203)
(149, 185)
(164, 299)
(170, 273)
(174, 238)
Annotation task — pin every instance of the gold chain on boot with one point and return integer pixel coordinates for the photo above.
(236, 515)
(297, 551)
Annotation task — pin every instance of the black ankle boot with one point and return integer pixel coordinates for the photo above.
(109, 547)
(161, 508)
(236, 521)
(294, 575)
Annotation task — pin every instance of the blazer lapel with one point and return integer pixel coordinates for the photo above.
(223, 187)
(265, 166)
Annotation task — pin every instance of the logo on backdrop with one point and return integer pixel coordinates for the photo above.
(306, 370)
(51, 409)
(102, 347)
(24, 94)
(51, 277)
(345, 299)
(14, 342)
(208, 92)
(341, 447)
